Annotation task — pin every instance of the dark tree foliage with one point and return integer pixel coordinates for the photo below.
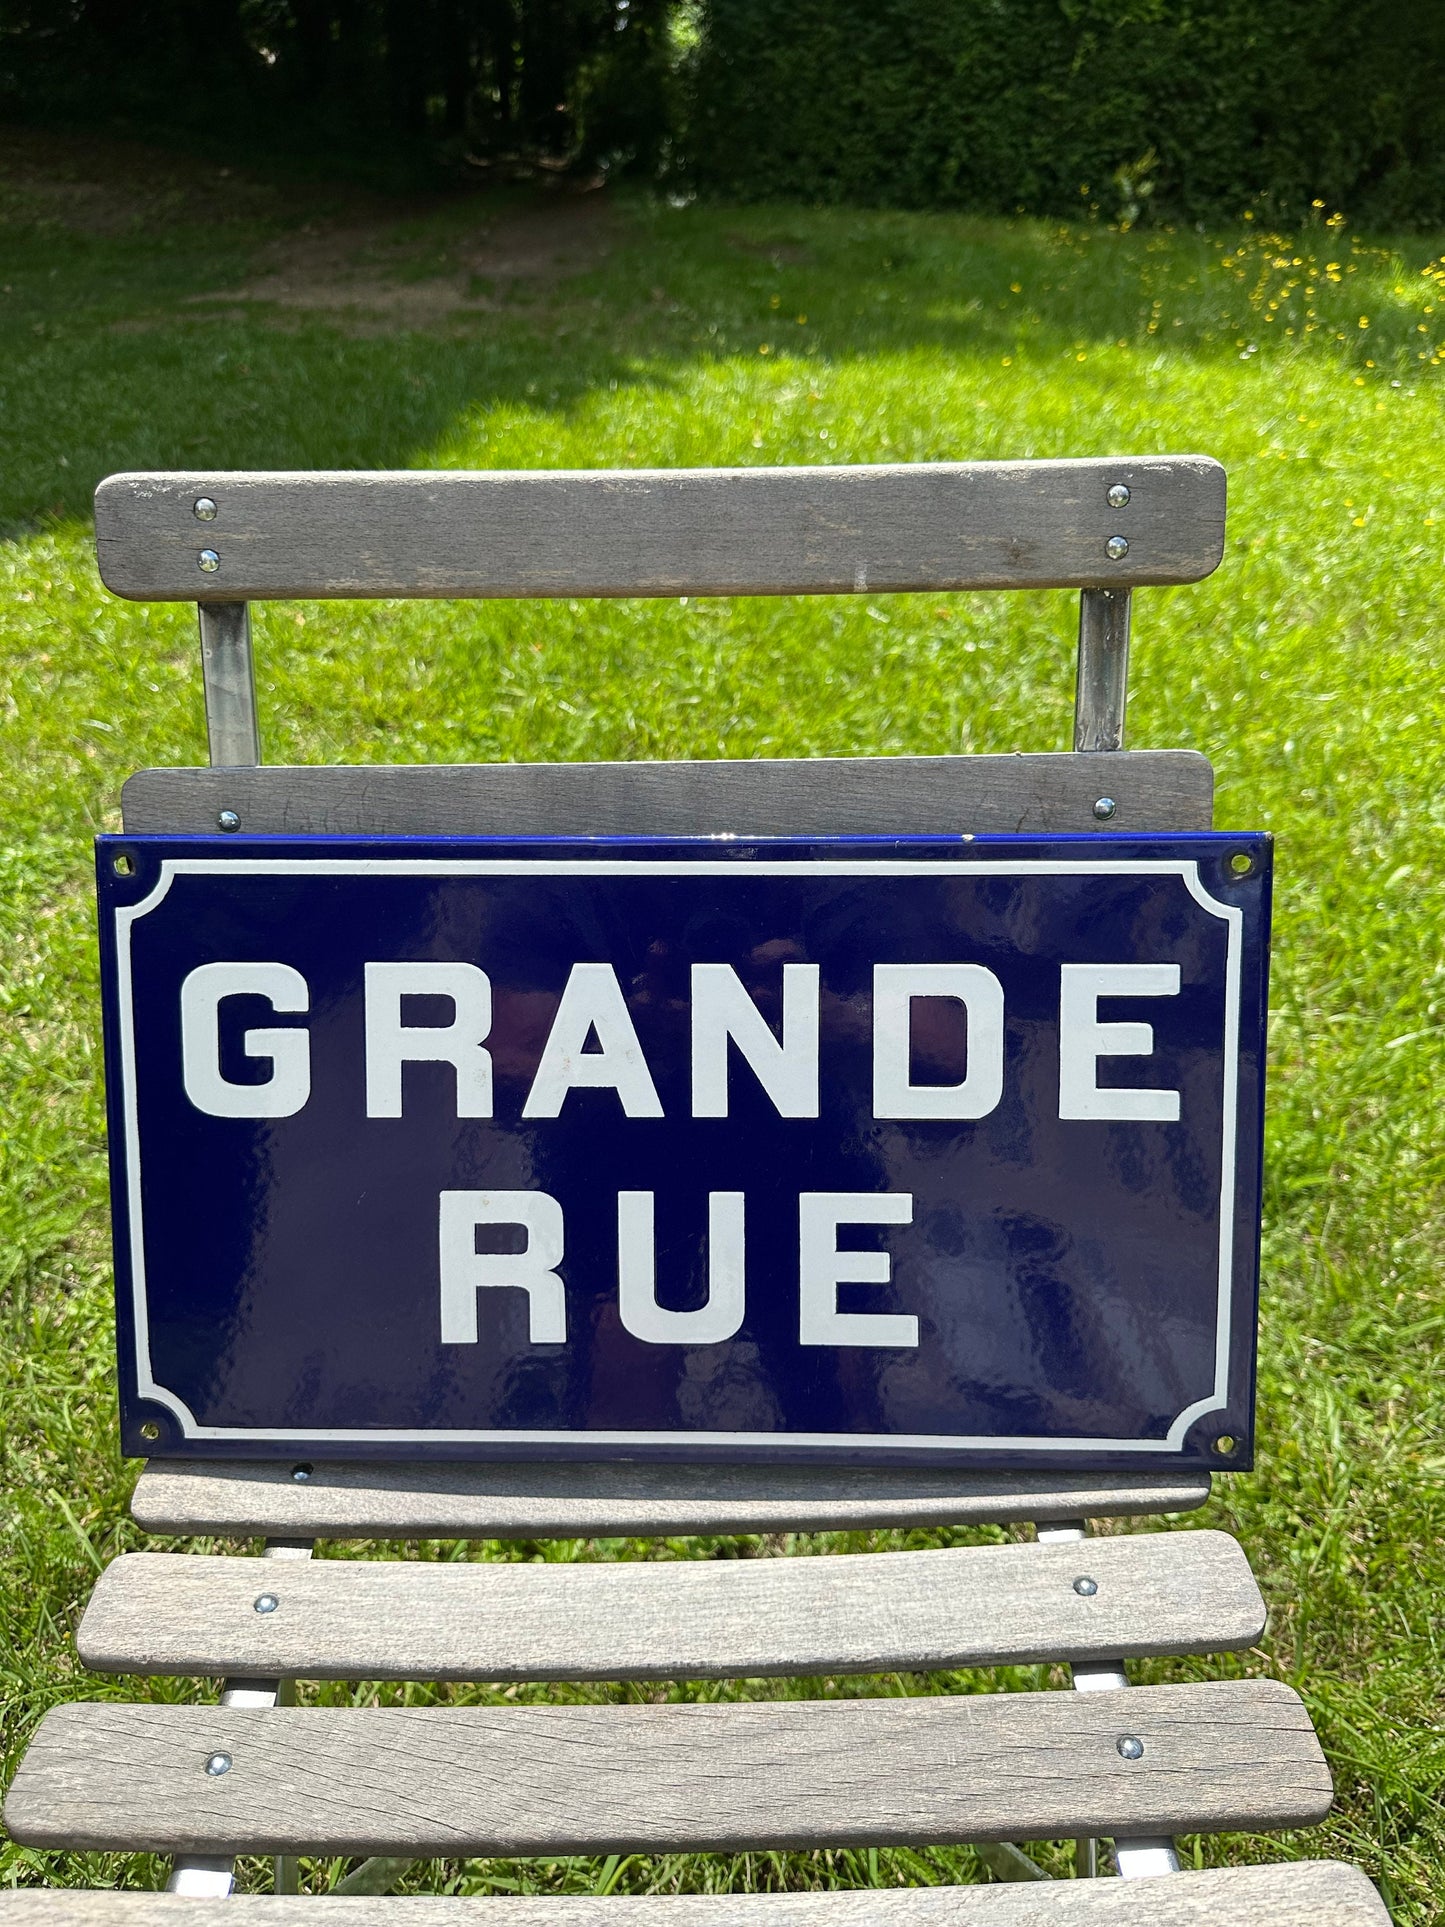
(1023, 104)
(445, 79)
(1192, 108)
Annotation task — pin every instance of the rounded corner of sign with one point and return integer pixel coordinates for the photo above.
(1176, 1438)
(1193, 881)
(130, 913)
(171, 1419)
(1225, 1445)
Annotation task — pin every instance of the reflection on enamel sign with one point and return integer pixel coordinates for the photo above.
(856, 1148)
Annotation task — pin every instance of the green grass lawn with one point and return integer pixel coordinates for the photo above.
(1312, 365)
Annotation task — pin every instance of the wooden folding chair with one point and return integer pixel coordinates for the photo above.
(256, 1774)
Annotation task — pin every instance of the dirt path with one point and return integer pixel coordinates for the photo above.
(366, 268)
(374, 262)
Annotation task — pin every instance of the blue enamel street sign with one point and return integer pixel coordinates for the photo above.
(862, 1149)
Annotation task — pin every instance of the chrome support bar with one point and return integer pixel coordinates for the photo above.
(1143, 1859)
(203, 1876)
(1103, 674)
(1060, 1529)
(232, 729)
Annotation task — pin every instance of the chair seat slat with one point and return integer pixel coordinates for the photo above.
(1301, 1893)
(670, 1778)
(1184, 1592)
(654, 532)
(356, 1500)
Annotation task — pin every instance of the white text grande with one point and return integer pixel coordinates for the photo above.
(592, 1042)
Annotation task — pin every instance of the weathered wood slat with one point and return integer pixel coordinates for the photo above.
(663, 1778)
(651, 532)
(1182, 1592)
(1301, 1893)
(345, 1500)
(899, 795)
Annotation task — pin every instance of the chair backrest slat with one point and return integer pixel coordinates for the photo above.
(656, 532)
(567, 1499)
(895, 795)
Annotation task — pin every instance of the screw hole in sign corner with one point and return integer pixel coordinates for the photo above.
(1225, 1445)
(1241, 863)
(123, 863)
(150, 1431)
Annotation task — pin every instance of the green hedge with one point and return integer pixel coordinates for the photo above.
(1057, 105)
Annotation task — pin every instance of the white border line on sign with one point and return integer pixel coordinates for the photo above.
(172, 867)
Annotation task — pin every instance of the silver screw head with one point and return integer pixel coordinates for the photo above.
(206, 508)
(300, 1473)
(1086, 1588)
(1116, 548)
(208, 561)
(266, 1602)
(228, 820)
(1130, 1748)
(1104, 808)
(217, 1764)
(1118, 497)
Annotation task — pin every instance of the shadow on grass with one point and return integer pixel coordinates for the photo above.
(122, 345)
